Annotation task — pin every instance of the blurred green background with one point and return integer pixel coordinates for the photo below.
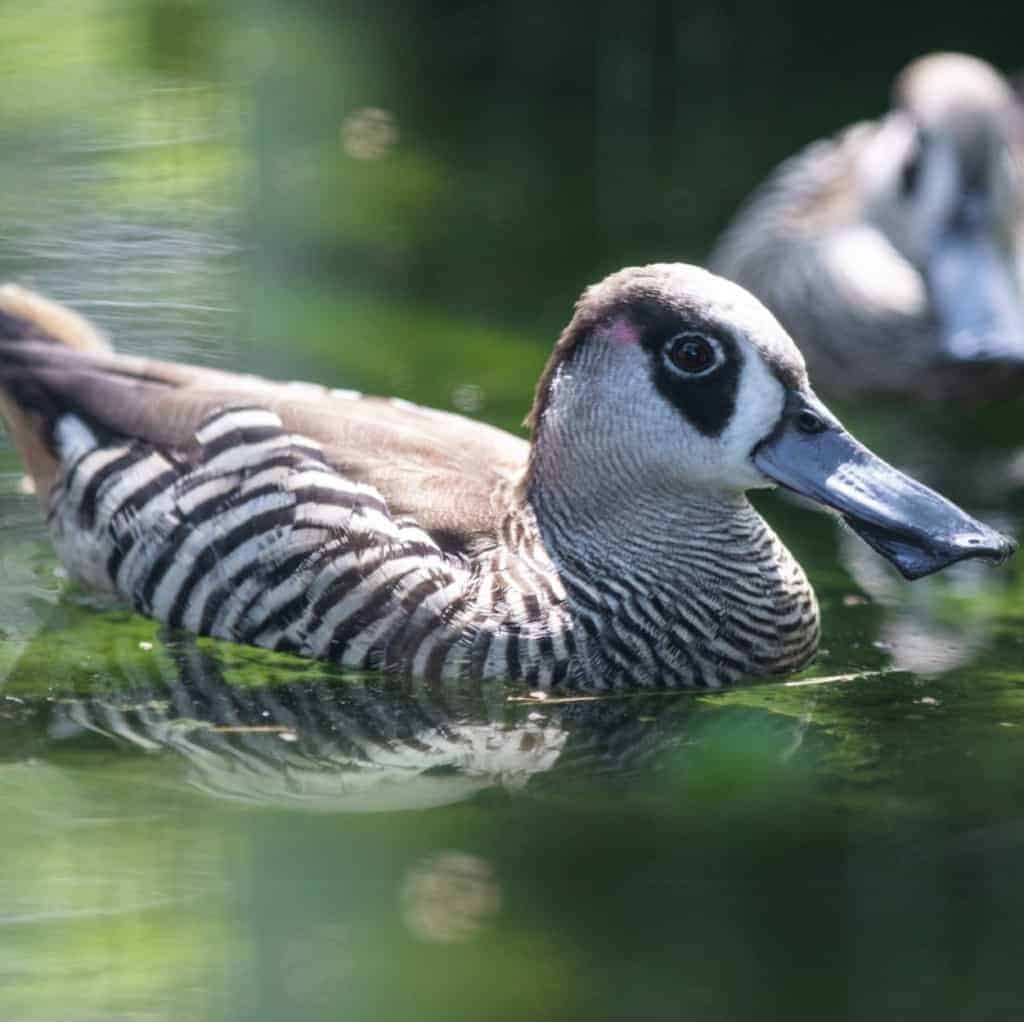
(406, 198)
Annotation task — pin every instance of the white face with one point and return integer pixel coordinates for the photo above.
(911, 184)
(943, 213)
(918, 180)
(675, 387)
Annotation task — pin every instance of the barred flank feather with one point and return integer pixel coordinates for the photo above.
(252, 536)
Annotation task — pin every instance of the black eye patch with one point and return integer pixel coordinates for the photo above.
(910, 174)
(706, 398)
(912, 167)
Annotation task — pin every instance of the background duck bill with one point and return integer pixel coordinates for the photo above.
(912, 526)
(977, 297)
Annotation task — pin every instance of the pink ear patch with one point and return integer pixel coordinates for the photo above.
(623, 332)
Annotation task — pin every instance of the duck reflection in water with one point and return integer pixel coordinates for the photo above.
(330, 742)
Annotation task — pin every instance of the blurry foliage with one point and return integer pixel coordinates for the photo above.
(538, 146)
(405, 349)
(554, 141)
(180, 37)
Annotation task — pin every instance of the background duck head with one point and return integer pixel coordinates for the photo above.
(892, 253)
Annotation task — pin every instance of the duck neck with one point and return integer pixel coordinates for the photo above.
(655, 535)
(679, 587)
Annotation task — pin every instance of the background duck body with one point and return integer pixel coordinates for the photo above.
(894, 252)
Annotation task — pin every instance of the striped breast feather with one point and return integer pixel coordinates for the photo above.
(247, 534)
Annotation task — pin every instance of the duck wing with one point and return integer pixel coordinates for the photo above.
(440, 469)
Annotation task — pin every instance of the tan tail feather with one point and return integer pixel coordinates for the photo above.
(55, 323)
(40, 464)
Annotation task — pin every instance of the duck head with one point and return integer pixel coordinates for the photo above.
(943, 184)
(672, 385)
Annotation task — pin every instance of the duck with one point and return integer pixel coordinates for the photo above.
(893, 252)
(616, 548)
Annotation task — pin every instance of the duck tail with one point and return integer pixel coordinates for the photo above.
(26, 321)
(25, 315)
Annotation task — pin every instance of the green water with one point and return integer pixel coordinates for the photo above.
(193, 830)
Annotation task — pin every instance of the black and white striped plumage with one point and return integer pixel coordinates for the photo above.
(893, 253)
(616, 549)
(250, 533)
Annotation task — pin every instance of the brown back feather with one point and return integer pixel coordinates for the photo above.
(446, 472)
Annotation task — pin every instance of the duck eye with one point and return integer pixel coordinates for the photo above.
(693, 354)
(810, 422)
(910, 175)
(910, 171)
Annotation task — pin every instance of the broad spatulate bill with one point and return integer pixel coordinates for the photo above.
(615, 548)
